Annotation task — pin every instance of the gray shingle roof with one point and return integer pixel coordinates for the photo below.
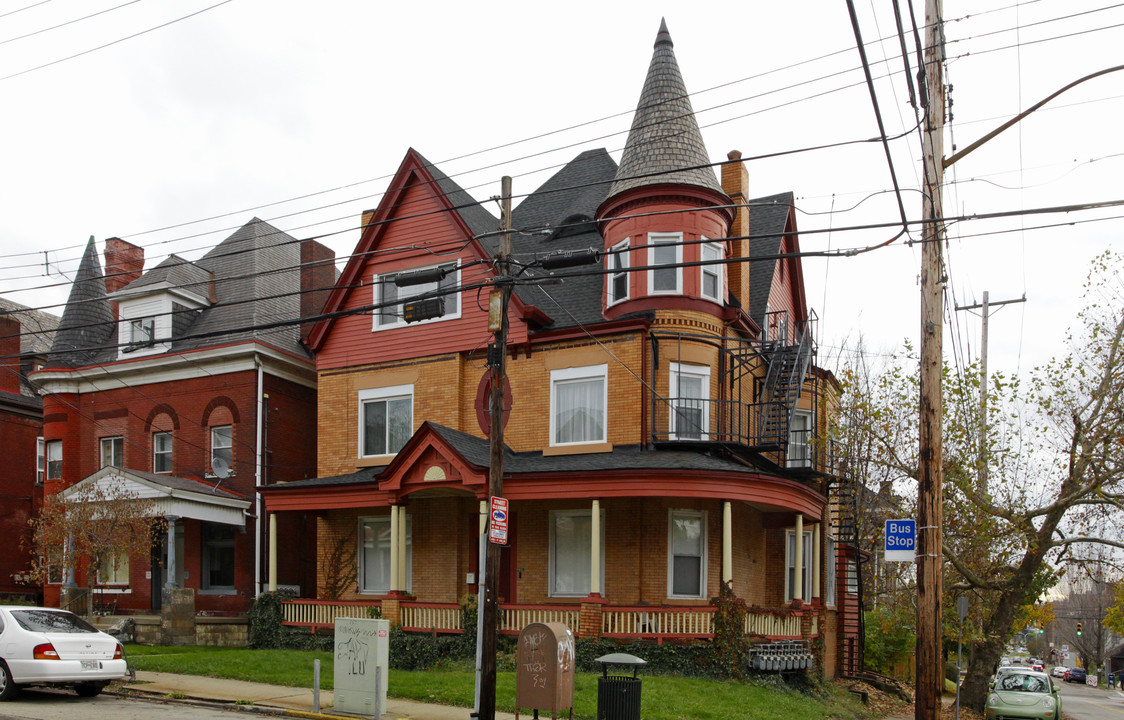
(177, 272)
(664, 135)
(37, 328)
(87, 321)
(767, 219)
(187, 484)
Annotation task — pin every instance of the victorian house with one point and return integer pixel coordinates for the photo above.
(662, 408)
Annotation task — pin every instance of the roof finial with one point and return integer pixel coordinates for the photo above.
(663, 37)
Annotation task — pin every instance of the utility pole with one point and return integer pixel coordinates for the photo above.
(985, 308)
(497, 355)
(930, 678)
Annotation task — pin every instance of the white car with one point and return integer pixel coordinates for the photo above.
(1059, 671)
(45, 646)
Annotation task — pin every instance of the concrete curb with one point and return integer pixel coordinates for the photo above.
(163, 697)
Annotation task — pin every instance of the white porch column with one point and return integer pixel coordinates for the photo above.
(595, 549)
(727, 542)
(393, 548)
(402, 585)
(798, 560)
(816, 559)
(483, 516)
(273, 552)
(171, 580)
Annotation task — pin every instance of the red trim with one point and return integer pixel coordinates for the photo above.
(706, 198)
(535, 314)
(665, 302)
(607, 328)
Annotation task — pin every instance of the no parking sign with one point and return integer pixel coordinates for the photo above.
(497, 525)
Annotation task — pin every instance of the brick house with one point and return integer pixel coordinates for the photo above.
(661, 408)
(25, 338)
(190, 384)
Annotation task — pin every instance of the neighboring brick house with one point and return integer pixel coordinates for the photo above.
(25, 338)
(662, 406)
(191, 384)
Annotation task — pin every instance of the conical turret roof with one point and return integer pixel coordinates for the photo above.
(87, 321)
(665, 137)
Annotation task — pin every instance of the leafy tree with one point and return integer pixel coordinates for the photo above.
(89, 525)
(1043, 475)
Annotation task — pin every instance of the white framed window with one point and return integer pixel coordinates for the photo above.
(113, 569)
(222, 444)
(54, 459)
(374, 554)
(390, 298)
(665, 249)
(40, 461)
(686, 554)
(218, 557)
(578, 405)
(616, 265)
(162, 452)
(800, 440)
(713, 279)
(689, 418)
(570, 545)
(142, 331)
(790, 564)
(852, 576)
(113, 451)
(829, 586)
(386, 419)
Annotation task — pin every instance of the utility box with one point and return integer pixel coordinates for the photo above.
(544, 673)
(362, 660)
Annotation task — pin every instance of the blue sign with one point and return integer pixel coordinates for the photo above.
(901, 540)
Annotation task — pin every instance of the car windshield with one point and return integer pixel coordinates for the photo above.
(1025, 683)
(51, 621)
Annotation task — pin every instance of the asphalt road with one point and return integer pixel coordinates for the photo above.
(45, 704)
(1082, 702)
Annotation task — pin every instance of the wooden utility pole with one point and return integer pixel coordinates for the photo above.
(930, 675)
(497, 319)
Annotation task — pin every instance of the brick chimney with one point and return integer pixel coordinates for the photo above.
(124, 263)
(735, 183)
(10, 355)
(318, 276)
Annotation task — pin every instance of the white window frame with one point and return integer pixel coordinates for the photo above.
(108, 444)
(54, 459)
(555, 515)
(566, 375)
(383, 394)
(702, 372)
(672, 515)
(159, 453)
(717, 268)
(40, 460)
(829, 586)
(228, 445)
(790, 564)
(113, 569)
(142, 331)
(387, 318)
(799, 454)
(360, 574)
(616, 268)
(655, 241)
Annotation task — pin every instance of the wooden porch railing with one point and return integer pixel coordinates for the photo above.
(657, 622)
(434, 617)
(323, 613)
(513, 618)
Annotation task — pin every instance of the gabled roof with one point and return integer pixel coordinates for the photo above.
(87, 326)
(664, 139)
(175, 272)
(770, 219)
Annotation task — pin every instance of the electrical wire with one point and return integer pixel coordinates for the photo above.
(68, 22)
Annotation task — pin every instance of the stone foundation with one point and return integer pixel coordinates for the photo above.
(222, 631)
(177, 617)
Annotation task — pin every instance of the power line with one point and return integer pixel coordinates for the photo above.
(68, 22)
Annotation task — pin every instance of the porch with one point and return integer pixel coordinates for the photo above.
(590, 619)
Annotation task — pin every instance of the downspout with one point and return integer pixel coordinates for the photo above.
(259, 459)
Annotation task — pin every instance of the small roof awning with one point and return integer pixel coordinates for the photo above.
(173, 496)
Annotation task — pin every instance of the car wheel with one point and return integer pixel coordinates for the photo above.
(8, 688)
(88, 690)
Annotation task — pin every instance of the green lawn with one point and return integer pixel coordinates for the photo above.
(662, 697)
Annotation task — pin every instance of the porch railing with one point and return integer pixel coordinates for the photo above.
(323, 613)
(652, 622)
(437, 617)
(513, 618)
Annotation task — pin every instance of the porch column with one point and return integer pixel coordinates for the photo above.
(595, 549)
(68, 562)
(798, 561)
(171, 583)
(727, 542)
(816, 555)
(393, 548)
(402, 548)
(273, 552)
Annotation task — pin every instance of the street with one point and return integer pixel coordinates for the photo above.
(50, 704)
(1089, 703)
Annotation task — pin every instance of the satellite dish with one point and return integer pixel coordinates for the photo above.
(220, 467)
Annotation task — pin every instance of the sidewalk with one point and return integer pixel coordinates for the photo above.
(295, 702)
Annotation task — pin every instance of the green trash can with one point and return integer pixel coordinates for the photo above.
(618, 696)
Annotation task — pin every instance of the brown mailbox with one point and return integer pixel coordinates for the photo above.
(544, 677)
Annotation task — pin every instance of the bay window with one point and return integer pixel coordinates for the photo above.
(665, 249)
(616, 263)
(689, 392)
(711, 281)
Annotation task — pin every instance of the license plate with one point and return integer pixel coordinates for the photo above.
(90, 665)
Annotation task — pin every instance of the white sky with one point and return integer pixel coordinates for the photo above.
(255, 102)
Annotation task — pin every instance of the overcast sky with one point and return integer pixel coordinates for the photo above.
(298, 112)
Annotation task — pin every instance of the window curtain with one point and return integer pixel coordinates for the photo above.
(581, 411)
(572, 548)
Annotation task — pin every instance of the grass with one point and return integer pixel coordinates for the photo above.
(662, 697)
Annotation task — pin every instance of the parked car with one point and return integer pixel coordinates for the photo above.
(1075, 674)
(45, 646)
(1005, 671)
(1024, 695)
(1037, 667)
(1059, 671)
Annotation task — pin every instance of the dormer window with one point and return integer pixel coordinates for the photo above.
(142, 332)
(665, 249)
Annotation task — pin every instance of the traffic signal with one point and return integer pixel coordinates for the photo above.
(1079, 629)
